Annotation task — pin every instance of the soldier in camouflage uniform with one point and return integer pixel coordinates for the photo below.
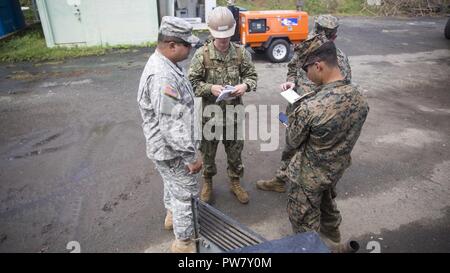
(166, 102)
(216, 64)
(328, 25)
(323, 130)
(297, 79)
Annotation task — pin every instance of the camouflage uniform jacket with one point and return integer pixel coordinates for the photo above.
(169, 133)
(224, 69)
(296, 74)
(323, 130)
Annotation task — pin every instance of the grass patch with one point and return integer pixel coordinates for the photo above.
(313, 7)
(29, 45)
(355, 7)
(317, 6)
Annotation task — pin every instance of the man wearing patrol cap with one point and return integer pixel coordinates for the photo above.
(166, 103)
(322, 131)
(217, 64)
(328, 25)
(297, 79)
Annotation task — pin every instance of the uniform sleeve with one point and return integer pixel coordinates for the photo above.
(196, 75)
(296, 75)
(174, 118)
(248, 71)
(344, 65)
(303, 84)
(298, 129)
(292, 69)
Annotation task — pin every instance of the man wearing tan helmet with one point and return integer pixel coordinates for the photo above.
(220, 63)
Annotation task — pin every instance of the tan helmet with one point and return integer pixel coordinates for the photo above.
(221, 23)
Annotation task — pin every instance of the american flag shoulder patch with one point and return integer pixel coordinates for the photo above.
(171, 92)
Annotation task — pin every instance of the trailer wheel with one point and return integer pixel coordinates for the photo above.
(447, 29)
(278, 51)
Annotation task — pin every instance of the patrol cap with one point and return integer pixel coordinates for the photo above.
(309, 46)
(177, 27)
(221, 23)
(327, 21)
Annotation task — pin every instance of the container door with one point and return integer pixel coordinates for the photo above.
(66, 22)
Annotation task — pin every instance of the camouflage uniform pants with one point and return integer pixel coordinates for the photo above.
(314, 211)
(179, 187)
(286, 155)
(233, 149)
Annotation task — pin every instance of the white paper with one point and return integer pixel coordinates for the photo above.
(290, 95)
(226, 94)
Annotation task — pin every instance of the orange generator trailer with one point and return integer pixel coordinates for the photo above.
(273, 32)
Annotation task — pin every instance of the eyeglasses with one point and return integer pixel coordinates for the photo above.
(309, 63)
(305, 67)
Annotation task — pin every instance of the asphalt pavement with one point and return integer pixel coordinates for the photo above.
(73, 164)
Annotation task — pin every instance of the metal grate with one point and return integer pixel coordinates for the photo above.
(218, 232)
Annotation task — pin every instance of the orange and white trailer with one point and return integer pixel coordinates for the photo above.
(273, 32)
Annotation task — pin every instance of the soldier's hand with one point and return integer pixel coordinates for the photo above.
(196, 166)
(216, 90)
(240, 90)
(287, 85)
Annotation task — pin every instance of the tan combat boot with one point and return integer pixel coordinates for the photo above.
(206, 194)
(240, 193)
(273, 184)
(183, 246)
(168, 222)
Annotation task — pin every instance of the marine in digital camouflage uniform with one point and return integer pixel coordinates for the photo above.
(211, 68)
(166, 103)
(323, 130)
(325, 25)
(328, 25)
